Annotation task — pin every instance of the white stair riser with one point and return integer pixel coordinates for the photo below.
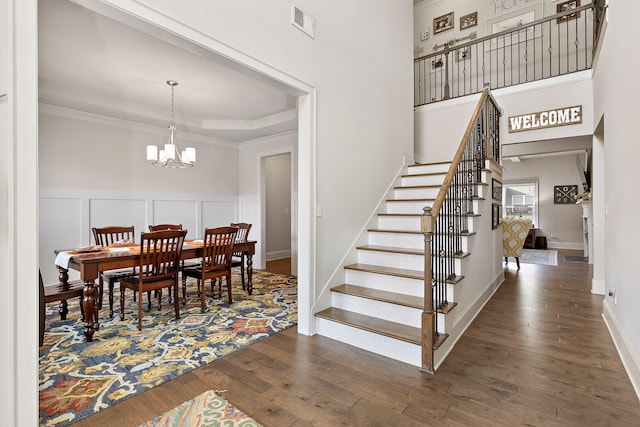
(464, 241)
(389, 259)
(379, 344)
(415, 170)
(378, 309)
(457, 265)
(402, 193)
(408, 207)
(405, 223)
(383, 282)
(397, 240)
(409, 180)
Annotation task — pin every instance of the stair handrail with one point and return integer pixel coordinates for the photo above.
(437, 205)
(489, 137)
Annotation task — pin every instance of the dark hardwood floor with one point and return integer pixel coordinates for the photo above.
(538, 354)
(279, 266)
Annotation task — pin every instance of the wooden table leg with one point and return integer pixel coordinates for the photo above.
(90, 304)
(63, 279)
(249, 273)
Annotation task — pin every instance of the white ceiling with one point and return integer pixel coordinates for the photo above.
(91, 63)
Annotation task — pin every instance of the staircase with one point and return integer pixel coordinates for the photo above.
(379, 307)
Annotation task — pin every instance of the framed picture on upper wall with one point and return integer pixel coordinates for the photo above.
(566, 7)
(443, 23)
(468, 21)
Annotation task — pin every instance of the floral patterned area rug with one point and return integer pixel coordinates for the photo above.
(205, 410)
(77, 379)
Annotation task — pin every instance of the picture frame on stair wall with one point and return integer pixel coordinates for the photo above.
(496, 189)
(496, 215)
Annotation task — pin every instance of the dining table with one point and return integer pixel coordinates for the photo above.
(92, 260)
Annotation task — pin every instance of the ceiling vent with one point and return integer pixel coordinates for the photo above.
(302, 21)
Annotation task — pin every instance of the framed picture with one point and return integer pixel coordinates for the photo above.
(563, 194)
(463, 54)
(565, 7)
(514, 21)
(496, 215)
(496, 189)
(443, 23)
(468, 21)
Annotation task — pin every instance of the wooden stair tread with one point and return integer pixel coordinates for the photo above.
(378, 326)
(383, 296)
(391, 249)
(389, 271)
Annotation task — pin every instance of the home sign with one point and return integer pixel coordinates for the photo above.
(546, 119)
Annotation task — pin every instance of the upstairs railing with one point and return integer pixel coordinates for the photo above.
(446, 221)
(560, 44)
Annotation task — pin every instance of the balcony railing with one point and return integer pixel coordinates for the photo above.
(560, 44)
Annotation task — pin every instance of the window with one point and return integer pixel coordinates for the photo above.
(520, 200)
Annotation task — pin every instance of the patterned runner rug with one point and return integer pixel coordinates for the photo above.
(539, 256)
(78, 379)
(205, 410)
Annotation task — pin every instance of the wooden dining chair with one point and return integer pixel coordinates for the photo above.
(216, 261)
(54, 293)
(183, 263)
(107, 236)
(239, 257)
(157, 269)
(160, 227)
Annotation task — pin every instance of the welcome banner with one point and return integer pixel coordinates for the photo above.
(546, 119)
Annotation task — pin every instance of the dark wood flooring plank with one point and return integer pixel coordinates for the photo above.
(538, 354)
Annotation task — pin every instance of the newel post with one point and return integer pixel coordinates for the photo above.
(428, 320)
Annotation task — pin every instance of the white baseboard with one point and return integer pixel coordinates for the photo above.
(270, 256)
(565, 245)
(627, 356)
(598, 286)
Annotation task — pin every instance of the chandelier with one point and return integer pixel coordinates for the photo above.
(170, 156)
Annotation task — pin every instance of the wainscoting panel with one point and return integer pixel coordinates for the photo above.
(67, 215)
(218, 214)
(60, 222)
(124, 212)
(177, 212)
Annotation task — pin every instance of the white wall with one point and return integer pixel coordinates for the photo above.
(363, 81)
(617, 89)
(82, 151)
(564, 221)
(93, 173)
